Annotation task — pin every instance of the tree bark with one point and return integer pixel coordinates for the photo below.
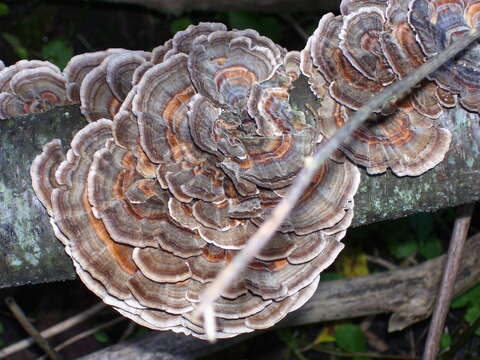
(29, 252)
(271, 6)
(407, 293)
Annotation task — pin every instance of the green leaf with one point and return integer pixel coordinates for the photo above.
(431, 248)
(401, 247)
(2, 343)
(180, 24)
(446, 341)
(325, 336)
(102, 337)
(4, 10)
(472, 314)
(350, 337)
(471, 296)
(2, 328)
(16, 44)
(57, 51)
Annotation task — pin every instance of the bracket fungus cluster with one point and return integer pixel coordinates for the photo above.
(352, 57)
(30, 86)
(187, 151)
(191, 146)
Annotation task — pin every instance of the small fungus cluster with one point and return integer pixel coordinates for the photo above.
(190, 147)
(352, 57)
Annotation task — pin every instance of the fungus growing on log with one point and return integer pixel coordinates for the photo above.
(437, 24)
(105, 86)
(79, 66)
(352, 57)
(30, 86)
(190, 148)
(154, 200)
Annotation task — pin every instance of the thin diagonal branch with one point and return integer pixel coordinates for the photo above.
(85, 334)
(457, 242)
(53, 330)
(30, 329)
(295, 25)
(88, 332)
(254, 245)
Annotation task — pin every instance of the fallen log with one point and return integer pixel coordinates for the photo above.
(409, 294)
(29, 252)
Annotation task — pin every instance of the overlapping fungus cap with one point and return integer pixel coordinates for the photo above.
(437, 24)
(352, 57)
(30, 86)
(79, 66)
(152, 205)
(104, 79)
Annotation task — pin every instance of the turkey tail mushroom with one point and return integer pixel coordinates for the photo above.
(105, 87)
(436, 25)
(190, 148)
(29, 87)
(352, 57)
(153, 204)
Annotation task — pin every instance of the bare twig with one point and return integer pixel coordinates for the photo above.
(88, 332)
(86, 44)
(128, 331)
(411, 341)
(373, 339)
(312, 163)
(457, 242)
(410, 260)
(382, 262)
(295, 25)
(53, 330)
(27, 325)
(9, 315)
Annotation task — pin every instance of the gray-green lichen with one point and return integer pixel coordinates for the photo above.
(29, 252)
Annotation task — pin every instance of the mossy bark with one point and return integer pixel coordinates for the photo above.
(29, 252)
(456, 180)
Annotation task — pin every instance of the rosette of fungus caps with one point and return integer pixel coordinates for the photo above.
(152, 205)
(101, 80)
(437, 24)
(30, 86)
(352, 57)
